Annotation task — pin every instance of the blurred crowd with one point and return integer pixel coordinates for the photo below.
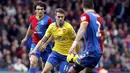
(14, 21)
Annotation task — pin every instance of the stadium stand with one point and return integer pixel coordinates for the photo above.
(14, 20)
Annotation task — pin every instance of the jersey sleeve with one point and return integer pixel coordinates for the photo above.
(50, 20)
(30, 20)
(101, 23)
(84, 18)
(72, 32)
(49, 31)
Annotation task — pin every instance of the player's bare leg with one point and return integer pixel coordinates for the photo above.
(33, 63)
(43, 65)
(47, 68)
(90, 70)
(72, 70)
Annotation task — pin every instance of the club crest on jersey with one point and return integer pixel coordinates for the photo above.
(83, 18)
(41, 23)
(63, 30)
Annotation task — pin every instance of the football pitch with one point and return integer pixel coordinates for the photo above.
(22, 72)
(14, 72)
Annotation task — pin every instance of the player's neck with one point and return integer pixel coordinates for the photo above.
(59, 24)
(39, 17)
(88, 10)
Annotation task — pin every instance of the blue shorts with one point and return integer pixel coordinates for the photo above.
(88, 60)
(58, 59)
(44, 55)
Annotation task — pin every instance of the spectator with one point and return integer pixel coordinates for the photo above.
(14, 20)
(18, 66)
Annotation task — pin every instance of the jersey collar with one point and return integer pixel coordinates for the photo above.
(60, 25)
(39, 18)
(90, 10)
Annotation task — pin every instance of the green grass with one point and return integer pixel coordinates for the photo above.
(14, 72)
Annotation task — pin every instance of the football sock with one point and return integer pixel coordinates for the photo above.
(32, 70)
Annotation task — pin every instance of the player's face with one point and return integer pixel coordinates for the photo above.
(59, 17)
(39, 11)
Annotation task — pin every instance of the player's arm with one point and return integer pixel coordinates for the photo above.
(73, 36)
(49, 40)
(80, 34)
(50, 20)
(81, 31)
(43, 40)
(77, 49)
(46, 43)
(83, 25)
(28, 33)
(40, 43)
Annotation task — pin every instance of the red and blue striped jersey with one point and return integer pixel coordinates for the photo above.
(93, 32)
(39, 27)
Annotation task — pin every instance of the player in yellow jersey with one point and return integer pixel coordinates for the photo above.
(37, 28)
(63, 35)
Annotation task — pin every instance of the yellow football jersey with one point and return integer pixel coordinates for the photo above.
(63, 37)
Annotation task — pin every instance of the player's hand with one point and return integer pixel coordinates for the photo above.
(43, 47)
(23, 41)
(72, 47)
(32, 52)
(71, 50)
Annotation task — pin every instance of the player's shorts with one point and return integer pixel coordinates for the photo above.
(87, 60)
(58, 59)
(44, 55)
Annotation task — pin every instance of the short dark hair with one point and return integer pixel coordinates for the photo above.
(42, 4)
(60, 10)
(87, 3)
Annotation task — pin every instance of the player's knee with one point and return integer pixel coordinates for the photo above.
(33, 62)
(45, 71)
